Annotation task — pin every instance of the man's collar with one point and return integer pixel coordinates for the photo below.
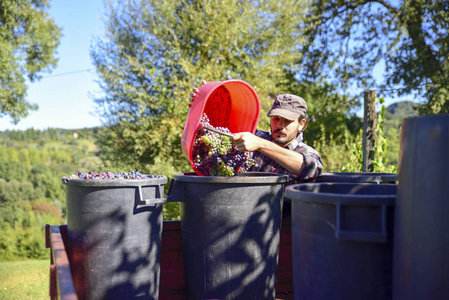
(295, 143)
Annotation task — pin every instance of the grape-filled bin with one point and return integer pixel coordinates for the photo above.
(114, 235)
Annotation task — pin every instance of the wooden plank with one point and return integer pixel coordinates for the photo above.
(171, 226)
(53, 290)
(171, 242)
(172, 286)
(284, 296)
(64, 281)
(173, 296)
(172, 280)
(172, 277)
(284, 283)
(63, 231)
(52, 286)
(286, 221)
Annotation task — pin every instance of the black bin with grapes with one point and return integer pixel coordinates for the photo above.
(230, 233)
(114, 236)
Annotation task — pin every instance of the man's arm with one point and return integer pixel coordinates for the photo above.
(290, 160)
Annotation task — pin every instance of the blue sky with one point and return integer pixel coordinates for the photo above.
(64, 96)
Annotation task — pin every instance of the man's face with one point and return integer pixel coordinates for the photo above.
(283, 131)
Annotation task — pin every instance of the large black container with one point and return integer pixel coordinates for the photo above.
(230, 234)
(114, 236)
(421, 263)
(342, 236)
(358, 177)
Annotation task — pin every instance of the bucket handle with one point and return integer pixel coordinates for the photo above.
(148, 202)
(362, 236)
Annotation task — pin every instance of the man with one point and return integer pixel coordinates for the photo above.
(283, 151)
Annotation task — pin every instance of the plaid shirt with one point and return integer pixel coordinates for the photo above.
(312, 166)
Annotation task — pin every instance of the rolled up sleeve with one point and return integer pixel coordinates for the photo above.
(312, 166)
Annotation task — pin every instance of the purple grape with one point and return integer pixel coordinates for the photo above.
(215, 155)
(111, 175)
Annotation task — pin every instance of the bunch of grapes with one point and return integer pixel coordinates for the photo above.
(111, 175)
(215, 155)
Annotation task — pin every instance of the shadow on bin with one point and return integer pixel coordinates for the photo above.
(230, 234)
(114, 236)
(342, 236)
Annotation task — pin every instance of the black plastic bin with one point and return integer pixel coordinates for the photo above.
(230, 234)
(421, 254)
(114, 236)
(342, 236)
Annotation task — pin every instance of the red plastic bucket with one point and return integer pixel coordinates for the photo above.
(232, 103)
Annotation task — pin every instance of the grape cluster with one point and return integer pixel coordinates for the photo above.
(111, 175)
(215, 155)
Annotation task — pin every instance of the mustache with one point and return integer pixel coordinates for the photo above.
(278, 130)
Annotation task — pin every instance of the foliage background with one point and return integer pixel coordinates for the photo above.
(154, 52)
(408, 39)
(32, 163)
(28, 42)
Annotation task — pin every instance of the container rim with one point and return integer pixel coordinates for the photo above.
(247, 178)
(295, 194)
(357, 177)
(351, 174)
(158, 179)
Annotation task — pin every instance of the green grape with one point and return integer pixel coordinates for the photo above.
(215, 155)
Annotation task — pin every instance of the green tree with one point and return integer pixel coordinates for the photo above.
(28, 41)
(48, 180)
(10, 170)
(381, 163)
(328, 112)
(347, 39)
(31, 192)
(394, 118)
(154, 52)
(8, 242)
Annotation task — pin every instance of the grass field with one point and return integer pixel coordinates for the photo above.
(24, 279)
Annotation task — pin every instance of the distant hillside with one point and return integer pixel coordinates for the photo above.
(54, 134)
(394, 117)
(400, 110)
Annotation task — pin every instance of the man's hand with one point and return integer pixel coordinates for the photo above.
(291, 160)
(246, 141)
